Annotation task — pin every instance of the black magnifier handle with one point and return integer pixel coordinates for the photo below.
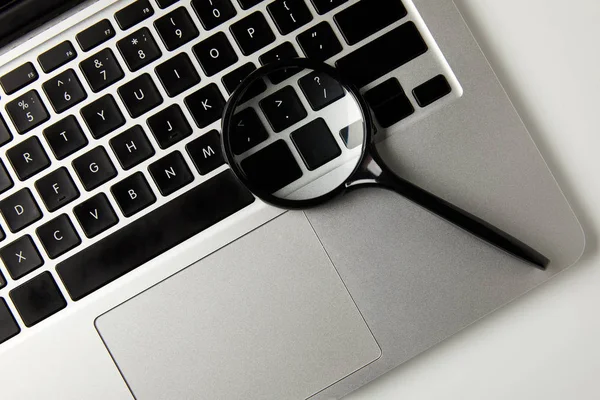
(374, 172)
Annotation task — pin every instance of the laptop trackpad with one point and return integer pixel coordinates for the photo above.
(267, 317)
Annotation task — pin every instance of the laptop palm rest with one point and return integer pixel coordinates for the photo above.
(258, 319)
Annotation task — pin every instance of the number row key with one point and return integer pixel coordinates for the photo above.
(213, 13)
(139, 49)
(101, 70)
(176, 28)
(64, 91)
(27, 111)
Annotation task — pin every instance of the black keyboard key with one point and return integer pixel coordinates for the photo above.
(28, 158)
(58, 236)
(205, 152)
(57, 56)
(248, 131)
(19, 78)
(432, 90)
(140, 95)
(95, 35)
(5, 135)
(133, 194)
(252, 33)
(233, 79)
(316, 144)
(94, 168)
(283, 109)
(5, 183)
(206, 105)
(20, 210)
(27, 111)
(160, 230)
(319, 42)
(213, 13)
(21, 257)
(8, 326)
(170, 173)
(389, 103)
(176, 28)
(366, 17)
(95, 215)
(382, 55)
(64, 91)
(139, 49)
(57, 189)
(324, 6)
(132, 147)
(37, 299)
(102, 116)
(165, 3)
(169, 126)
(2, 284)
(177, 74)
(246, 4)
(273, 167)
(101, 70)
(289, 15)
(215, 54)
(65, 137)
(284, 51)
(133, 14)
(321, 90)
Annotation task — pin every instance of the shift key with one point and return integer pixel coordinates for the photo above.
(153, 234)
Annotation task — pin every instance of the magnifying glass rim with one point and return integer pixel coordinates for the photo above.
(235, 100)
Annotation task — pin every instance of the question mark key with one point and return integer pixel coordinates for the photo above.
(321, 90)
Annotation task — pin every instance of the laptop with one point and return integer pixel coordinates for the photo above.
(135, 264)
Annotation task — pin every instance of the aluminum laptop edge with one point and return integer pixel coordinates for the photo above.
(266, 303)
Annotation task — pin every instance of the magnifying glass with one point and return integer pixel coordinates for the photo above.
(297, 134)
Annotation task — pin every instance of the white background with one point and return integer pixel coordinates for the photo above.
(545, 345)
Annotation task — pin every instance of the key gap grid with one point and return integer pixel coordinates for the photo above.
(180, 146)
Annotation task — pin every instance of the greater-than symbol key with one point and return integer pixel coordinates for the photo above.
(283, 109)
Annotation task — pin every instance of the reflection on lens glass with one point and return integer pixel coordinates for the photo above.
(353, 135)
(299, 139)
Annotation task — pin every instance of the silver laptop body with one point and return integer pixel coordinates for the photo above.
(234, 298)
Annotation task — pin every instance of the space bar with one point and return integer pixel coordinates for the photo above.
(153, 234)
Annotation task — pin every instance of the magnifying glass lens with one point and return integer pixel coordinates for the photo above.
(296, 140)
(299, 142)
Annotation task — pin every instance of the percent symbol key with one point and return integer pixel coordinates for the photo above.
(27, 111)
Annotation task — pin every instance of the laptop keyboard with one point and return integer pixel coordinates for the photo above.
(112, 153)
